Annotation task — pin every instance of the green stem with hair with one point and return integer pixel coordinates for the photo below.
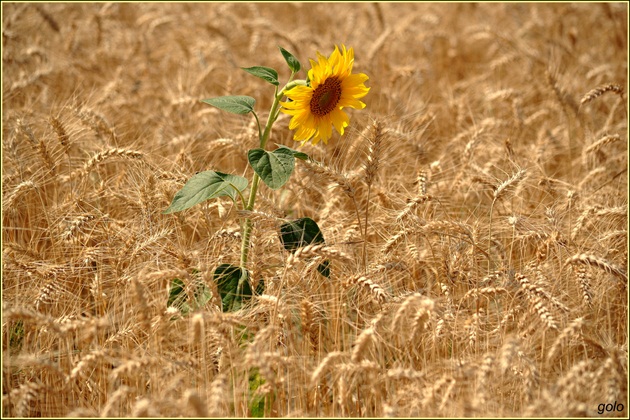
(264, 137)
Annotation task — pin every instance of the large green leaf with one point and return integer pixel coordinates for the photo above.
(178, 297)
(260, 287)
(204, 186)
(300, 232)
(324, 269)
(296, 154)
(227, 276)
(16, 335)
(203, 294)
(274, 168)
(266, 73)
(256, 401)
(293, 62)
(234, 104)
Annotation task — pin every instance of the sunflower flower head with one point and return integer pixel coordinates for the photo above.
(318, 106)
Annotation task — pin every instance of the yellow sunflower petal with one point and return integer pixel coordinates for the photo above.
(340, 120)
(317, 109)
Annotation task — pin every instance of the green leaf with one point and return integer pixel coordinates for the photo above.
(266, 73)
(324, 269)
(204, 186)
(260, 287)
(299, 233)
(296, 154)
(274, 168)
(227, 276)
(202, 295)
(178, 298)
(302, 232)
(16, 335)
(293, 62)
(235, 104)
(256, 401)
(177, 294)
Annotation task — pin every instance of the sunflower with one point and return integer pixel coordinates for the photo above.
(318, 106)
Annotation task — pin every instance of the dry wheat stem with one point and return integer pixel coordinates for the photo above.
(316, 250)
(611, 138)
(534, 295)
(434, 318)
(371, 169)
(377, 292)
(600, 90)
(593, 260)
(568, 332)
(329, 360)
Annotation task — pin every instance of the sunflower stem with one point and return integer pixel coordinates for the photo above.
(290, 85)
(247, 227)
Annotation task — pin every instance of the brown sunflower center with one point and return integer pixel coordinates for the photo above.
(326, 97)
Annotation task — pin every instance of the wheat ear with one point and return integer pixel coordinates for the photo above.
(375, 290)
(600, 90)
(593, 260)
(371, 169)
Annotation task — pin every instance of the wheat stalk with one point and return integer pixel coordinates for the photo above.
(582, 277)
(501, 190)
(377, 292)
(411, 206)
(310, 328)
(97, 123)
(402, 373)
(338, 178)
(602, 264)
(534, 295)
(330, 359)
(19, 189)
(114, 399)
(483, 376)
(218, 394)
(193, 400)
(509, 351)
(409, 301)
(316, 250)
(568, 332)
(607, 139)
(420, 319)
(600, 90)
(425, 313)
(360, 347)
(484, 291)
(375, 150)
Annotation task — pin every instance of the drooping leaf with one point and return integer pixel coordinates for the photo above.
(300, 232)
(227, 277)
(203, 294)
(16, 335)
(324, 269)
(260, 287)
(274, 168)
(266, 73)
(204, 186)
(257, 400)
(178, 298)
(235, 104)
(293, 62)
(177, 294)
(296, 154)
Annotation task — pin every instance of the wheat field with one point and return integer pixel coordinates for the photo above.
(474, 213)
